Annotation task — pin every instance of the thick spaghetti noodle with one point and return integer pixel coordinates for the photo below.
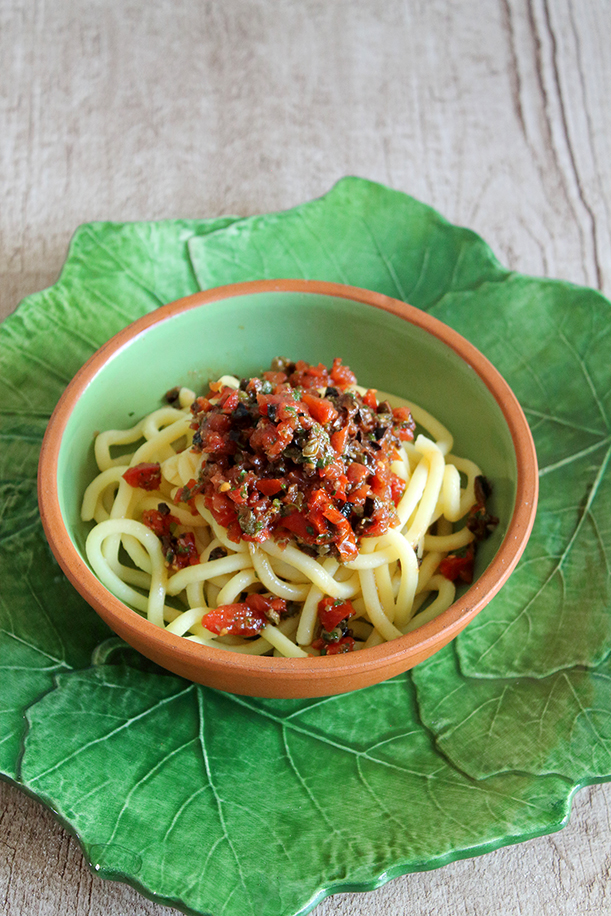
(293, 514)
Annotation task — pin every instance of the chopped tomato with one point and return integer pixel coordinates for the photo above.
(305, 527)
(222, 508)
(228, 400)
(339, 439)
(183, 551)
(271, 439)
(345, 539)
(187, 493)
(245, 618)
(370, 399)
(159, 522)
(404, 423)
(234, 620)
(306, 376)
(276, 378)
(269, 486)
(331, 612)
(321, 409)
(345, 644)
(356, 473)
(397, 488)
(266, 603)
(146, 475)
(454, 567)
(342, 376)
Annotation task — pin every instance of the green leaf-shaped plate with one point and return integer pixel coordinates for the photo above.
(225, 805)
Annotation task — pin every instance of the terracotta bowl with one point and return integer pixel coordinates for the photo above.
(239, 329)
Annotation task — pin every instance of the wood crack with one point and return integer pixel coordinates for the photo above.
(514, 71)
(569, 145)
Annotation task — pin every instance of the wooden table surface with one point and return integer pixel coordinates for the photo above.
(496, 112)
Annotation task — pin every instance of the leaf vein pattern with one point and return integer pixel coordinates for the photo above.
(75, 334)
(29, 357)
(411, 296)
(229, 258)
(290, 251)
(17, 391)
(219, 805)
(378, 801)
(495, 715)
(108, 303)
(143, 780)
(585, 712)
(111, 734)
(324, 739)
(507, 343)
(530, 411)
(124, 267)
(321, 811)
(328, 253)
(392, 273)
(548, 700)
(265, 822)
(601, 543)
(18, 436)
(474, 712)
(561, 559)
(445, 810)
(587, 377)
(576, 456)
(56, 662)
(24, 529)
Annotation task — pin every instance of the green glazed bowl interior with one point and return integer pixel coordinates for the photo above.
(238, 331)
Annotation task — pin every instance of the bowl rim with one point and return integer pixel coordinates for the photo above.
(326, 668)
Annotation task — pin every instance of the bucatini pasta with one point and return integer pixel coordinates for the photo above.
(294, 514)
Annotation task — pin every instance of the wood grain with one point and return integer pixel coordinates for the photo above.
(496, 113)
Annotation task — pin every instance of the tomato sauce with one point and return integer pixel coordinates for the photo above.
(298, 454)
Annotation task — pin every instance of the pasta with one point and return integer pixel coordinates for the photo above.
(294, 514)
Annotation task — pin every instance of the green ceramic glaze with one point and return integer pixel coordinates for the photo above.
(223, 805)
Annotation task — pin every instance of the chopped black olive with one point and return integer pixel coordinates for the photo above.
(482, 488)
(172, 395)
(369, 507)
(241, 412)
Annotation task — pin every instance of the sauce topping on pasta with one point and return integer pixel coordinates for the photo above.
(296, 454)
